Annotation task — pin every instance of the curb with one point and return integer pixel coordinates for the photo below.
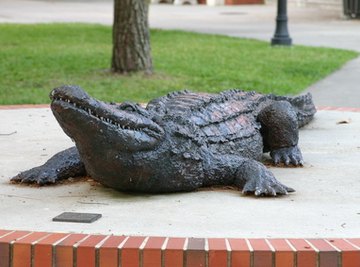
(27, 106)
(339, 109)
(39, 249)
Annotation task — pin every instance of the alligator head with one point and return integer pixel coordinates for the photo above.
(127, 127)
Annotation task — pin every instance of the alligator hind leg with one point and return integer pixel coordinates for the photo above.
(62, 165)
(279, 128)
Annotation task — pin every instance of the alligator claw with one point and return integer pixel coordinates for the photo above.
(263, 183)
(62, 165)
(268, 188)
(36, 175)
(287, 155)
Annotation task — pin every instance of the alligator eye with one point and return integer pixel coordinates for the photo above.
(127, 106)
(132, 107)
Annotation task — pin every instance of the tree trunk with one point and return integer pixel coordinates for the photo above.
(131, 37)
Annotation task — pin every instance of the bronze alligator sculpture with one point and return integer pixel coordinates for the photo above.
(179, 142)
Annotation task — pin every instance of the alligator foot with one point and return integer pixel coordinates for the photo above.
(287, 155)
(39, 175)
(255, 179)
(62, 165)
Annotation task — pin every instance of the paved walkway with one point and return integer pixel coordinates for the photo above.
(326, 202)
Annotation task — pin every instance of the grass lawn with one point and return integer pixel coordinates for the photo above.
(36, 58)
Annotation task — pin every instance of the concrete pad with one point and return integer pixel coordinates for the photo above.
(326, 203)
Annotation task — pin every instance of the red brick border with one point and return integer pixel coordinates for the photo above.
(4, 107)
(339, 109)
(40, 249)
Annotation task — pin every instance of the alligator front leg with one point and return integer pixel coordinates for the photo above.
(279, 128)
(249, 175)
(62, 165)
(254, 178)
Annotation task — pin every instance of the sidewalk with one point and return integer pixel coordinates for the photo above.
(325, 204)
(307, 26)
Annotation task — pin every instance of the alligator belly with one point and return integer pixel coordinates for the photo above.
(162, 176)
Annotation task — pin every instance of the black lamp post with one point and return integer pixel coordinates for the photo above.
(281, 36)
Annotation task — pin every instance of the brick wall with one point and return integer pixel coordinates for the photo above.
(41, 249)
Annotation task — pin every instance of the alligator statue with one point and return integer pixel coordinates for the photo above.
(179, 142)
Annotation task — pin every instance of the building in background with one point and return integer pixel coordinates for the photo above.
(350, 8)
(209, 2)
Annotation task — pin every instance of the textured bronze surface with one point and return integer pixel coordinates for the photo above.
(179, 142)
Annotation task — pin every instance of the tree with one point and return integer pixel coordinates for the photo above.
(131, 37)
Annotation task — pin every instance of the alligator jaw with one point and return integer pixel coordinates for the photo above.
(71, 104)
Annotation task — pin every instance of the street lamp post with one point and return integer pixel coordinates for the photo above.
(281, 36)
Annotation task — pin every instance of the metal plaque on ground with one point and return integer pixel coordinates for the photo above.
(77, 217)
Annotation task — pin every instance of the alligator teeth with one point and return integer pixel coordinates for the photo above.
(91, 112)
